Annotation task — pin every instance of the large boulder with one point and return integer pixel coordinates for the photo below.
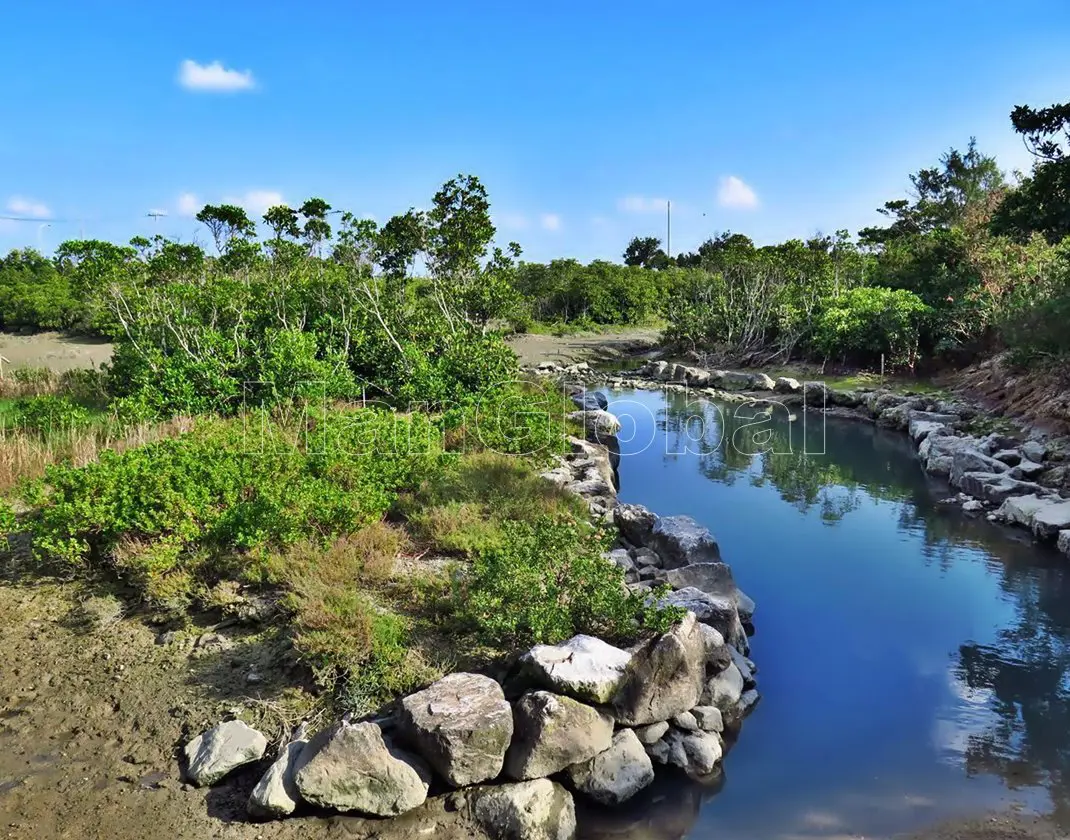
(719, 611)
(1034, 450)
(697, 376)
(694, 752)
(995, 487)
(354, 767)
(724, 690)
(708, 718)
(590, 400)
(1027, 470)
(1051, 518)
(921, 429)
(735, 381)
(973, 460)
(617, 774)
(551, 732)
(598, 424)
(681, 541)
(1063, 542)
(584, 667)
(714, 578)
(762, 382)
(276, 794)
(635, 522)
(786, 385)
(461, 725)
(1020, 510)
(535, 810)
(223, 748)
(666, 676)
(718, 652)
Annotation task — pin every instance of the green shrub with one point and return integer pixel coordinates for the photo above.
(865, 322)
(547, 581)
(47, 415)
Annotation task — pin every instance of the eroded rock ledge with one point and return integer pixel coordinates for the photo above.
(581, 717)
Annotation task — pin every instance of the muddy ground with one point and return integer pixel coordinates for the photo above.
(57, 351)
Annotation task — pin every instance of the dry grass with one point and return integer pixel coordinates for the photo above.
(25, 456)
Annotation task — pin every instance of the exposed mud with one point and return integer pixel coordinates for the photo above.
(54, 350)
(592, 347)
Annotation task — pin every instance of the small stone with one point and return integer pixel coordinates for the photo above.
(223, 748)
(685, 721)
(652, 733)
(276, 794)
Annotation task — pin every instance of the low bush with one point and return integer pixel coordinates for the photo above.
(865, 322)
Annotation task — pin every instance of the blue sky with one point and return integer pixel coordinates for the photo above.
(775, 119)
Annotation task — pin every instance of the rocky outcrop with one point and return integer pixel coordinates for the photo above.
(461, 725)
(551, 732)
(616, 774)
(665, 677)
(696, 752)
(223, 748)
(681, 541)
(354, 767)
(584, 668)
(533, 810)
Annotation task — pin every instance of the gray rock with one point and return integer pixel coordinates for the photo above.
(681, 541)
(646, 557)
(1063, 541)
(815, 394)
(994, 487)
(973, 460)
(719, 611)
(590, 401)
(461, 725)
(745, 667)
(656, 370)
(1028, 470)
(635, 522)
(223, 748)
(535, 810)
(746, 704)
(1020, 510)
(620, 557)
(685, 721)
(1051, 518)
(698, 377)
(718, 655)
(1010, 457)
(846, 399)
(584, 667)
(735, 381)
(714, 578)
(921, 429)
(1034, 450)
(745, 605)
(693, 752)
(786, 385)
(651, 733)
(617, 774)
(551, 732)
(354, 767)
(600, 424)
(972, 506)
(666, 676)
(276, 794)
(724, 690)
(761, 382)
(709, 718)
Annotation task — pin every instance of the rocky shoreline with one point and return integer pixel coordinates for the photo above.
(1020, 481)
(582, 717)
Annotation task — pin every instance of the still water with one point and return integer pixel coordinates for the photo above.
(913, 662)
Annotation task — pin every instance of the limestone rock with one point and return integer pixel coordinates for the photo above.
(353, 767)
(1034, 451)
(535, 810)
(681, 541)
(762, 382)
(601, 424)
(714, 578)
(708, 718)
(551, 732)
(276, 794)
(734, 381)
(995, 487)
(584, 667)
(1051, 518)
(718, 611)
(651, 733)
(1020, 510)
(666, 676)
(635, 522)
(724, 690)
(786, 385)
(693, 752)
(590, 400)
(461, 725)
(973, 460)
(685, 721)
(1028, 470)
(223, 748)
(1063, 542)
(617, 774)
(718, 654)
(744, 665)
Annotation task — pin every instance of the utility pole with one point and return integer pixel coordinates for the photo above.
(668, 228)
(155, 216)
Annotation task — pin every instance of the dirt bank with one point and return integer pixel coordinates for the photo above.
(53, 350)
(583, 347)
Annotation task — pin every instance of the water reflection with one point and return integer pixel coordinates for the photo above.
(914, 661)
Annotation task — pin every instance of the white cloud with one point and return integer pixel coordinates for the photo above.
(642, 204)
(256, 201)
(550, 221)
(735, 192)
(188, 204)
(214, 77)
(19, 206)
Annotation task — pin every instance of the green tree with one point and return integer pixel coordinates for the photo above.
(227, 223)
(646, 251)
(317, 229)
(400, 240)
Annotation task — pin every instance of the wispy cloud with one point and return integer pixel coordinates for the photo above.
(188, 204)
(214, 77)
(641, 204)
(735, 192)
(550, 221)
(256, 201)
(19, 206)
